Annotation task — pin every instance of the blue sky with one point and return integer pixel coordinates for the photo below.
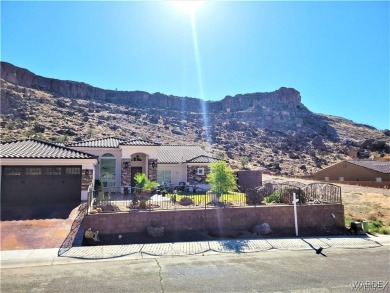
(335, 53)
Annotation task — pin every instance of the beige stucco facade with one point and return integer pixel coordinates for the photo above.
(346, 172)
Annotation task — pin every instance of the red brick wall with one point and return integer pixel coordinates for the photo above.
(278, 216)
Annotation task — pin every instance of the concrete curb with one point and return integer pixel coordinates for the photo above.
(43, 257)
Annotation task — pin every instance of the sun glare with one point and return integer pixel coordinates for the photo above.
(190, 6)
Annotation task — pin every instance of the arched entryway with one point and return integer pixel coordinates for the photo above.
(137, 165)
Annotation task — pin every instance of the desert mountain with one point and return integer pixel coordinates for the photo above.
(271, 130)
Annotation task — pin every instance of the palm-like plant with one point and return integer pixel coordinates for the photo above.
(143, 185)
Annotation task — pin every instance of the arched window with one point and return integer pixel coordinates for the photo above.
(107, 169)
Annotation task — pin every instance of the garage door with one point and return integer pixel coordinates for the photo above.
(29, 185)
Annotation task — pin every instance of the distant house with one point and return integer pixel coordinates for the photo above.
(360, 172)
(33, 171)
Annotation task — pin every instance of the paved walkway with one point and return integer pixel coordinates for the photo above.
(36, 257)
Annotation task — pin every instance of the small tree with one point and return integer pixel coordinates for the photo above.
(221, 178)
(243, 161)
(143, 185)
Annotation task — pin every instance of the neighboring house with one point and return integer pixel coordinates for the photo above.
(362, 172)
(36, 172)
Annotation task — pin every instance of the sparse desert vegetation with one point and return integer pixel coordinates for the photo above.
(361, 204)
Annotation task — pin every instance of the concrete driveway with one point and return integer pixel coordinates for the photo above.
(37, 227)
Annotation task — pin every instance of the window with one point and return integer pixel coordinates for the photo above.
(200, 171)
(107, 169)
(164, 176)
(341, 179)
(33, 171)
(378, 179)
(53, 171)
(11, 171)
(72, 171)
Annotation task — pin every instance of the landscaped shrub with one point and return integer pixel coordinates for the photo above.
(186, 201)
(274, 197)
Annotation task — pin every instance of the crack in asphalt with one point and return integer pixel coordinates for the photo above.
(159, 274)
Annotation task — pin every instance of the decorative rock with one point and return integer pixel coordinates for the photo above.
(155, 231)
(262, 229)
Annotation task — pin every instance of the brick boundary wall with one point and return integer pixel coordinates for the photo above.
(240, 218)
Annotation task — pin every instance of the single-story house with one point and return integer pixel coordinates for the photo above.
(34, 170)
(362, 172)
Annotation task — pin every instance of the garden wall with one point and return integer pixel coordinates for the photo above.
(240, 218)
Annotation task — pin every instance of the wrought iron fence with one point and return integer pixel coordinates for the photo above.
(282, 192)
(113, 199)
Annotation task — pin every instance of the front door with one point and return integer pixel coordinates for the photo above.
(134, 170)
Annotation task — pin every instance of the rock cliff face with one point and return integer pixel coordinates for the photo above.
(80, 90)
(273, 130)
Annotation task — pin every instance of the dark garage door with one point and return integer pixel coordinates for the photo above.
(31, 185)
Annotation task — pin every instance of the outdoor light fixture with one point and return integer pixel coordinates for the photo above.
(137, 158)
(153, 165)
(126, 165)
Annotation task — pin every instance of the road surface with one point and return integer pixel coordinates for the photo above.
(336, 270)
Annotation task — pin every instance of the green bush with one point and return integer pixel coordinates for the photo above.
(274, 197)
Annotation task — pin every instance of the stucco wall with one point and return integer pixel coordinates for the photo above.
(280, 216)
(247, 179)
(348, 173)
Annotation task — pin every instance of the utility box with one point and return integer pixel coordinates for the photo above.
(356, 228)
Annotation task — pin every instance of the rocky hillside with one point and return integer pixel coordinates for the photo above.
(272, 130)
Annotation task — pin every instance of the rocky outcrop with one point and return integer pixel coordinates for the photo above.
(273, 130)
(79, 90)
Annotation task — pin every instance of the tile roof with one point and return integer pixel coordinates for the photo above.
(173, 154)
(111, 142)
(108, 142)
(380, 166)
(202, 159)
(36, 149)
(143, 142)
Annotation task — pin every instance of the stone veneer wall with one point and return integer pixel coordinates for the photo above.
(86, 178)
(126, 172)
(193, 178)
(240, 218)
(152, 172)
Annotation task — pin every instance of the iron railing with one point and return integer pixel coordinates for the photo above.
(114, 199)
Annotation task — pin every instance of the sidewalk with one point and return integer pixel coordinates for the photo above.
(55, 256)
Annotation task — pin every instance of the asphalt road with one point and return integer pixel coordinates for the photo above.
(337, 270)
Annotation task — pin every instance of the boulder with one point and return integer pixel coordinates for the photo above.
(155, 231)
(262, 229)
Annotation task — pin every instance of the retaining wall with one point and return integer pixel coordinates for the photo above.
(240, 218)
